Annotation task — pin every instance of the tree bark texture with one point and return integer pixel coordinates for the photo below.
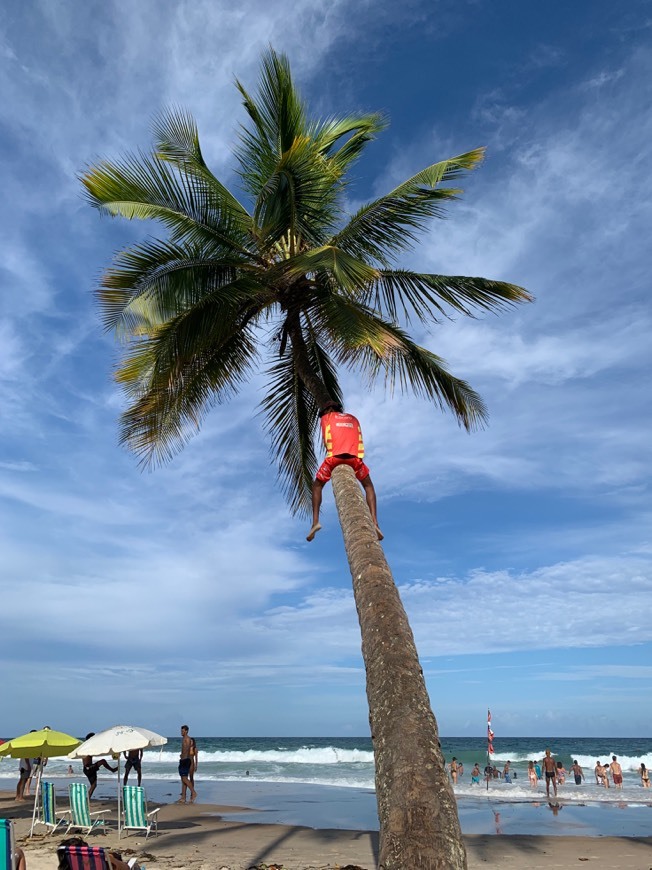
(419, 825)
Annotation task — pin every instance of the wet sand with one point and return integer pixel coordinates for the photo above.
(199, 837)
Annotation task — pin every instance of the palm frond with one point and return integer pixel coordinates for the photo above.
(146, 188)
(159, 280)
(403, 293)
(292, 422)
(365, 341)
(391, 223)
(175, 376)
(350, 274)
(177, 142)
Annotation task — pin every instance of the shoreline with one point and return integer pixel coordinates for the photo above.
(208, 837)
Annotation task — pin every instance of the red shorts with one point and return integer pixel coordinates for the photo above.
(327, 466)
(618, 778)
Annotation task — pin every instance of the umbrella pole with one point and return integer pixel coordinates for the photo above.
(37, 797)
(119, 796)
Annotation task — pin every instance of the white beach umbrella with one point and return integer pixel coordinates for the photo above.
(116, 740)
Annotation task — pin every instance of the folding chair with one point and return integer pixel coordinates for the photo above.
(7, 845)
(84, 857)
(81, 817)
(49, 815)
(88, 858)
(136, 816)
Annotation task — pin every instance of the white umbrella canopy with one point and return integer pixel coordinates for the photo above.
(119, 738)
(114, 741)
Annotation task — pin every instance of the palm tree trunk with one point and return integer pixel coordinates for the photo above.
(419, 826)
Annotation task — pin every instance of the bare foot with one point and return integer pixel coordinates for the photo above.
(180, 802)
(380, 534)
(194, 797)
(313, 531)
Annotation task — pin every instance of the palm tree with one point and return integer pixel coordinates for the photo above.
(295, 285)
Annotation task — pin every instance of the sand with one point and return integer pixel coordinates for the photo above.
(196, 837)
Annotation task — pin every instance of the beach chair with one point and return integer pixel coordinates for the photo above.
(81, 817)
(87, 858)
(49, 815)
(7, 846)
(136, 816)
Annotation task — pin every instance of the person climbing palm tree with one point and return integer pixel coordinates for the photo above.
(342, 436)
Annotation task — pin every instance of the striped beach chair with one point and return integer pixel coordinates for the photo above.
(136, 815)
(83, 857)
(49, 815)
(89, 858)
(7, 846)
(81, 817)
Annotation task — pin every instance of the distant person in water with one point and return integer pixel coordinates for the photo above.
(578, 773)
(454, 770)
(343, 440)
(616, 772)
(645, 776)
(550, 771)
(475, 773)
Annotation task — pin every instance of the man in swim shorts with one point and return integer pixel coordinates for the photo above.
(343, 440)
(616, 772)
(186, 766)
(578, 773)
(550, 771)
(134, 761)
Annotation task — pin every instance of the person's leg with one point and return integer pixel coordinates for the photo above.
(317, 488)
(370, 495)
(187, 785)
(126, 776)
(21, 863)
(140, 775)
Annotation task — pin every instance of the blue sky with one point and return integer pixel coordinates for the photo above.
(522, 553)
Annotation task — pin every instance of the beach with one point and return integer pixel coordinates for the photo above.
(207, 836)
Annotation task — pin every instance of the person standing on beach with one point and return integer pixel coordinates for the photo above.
(24, 774)
(578, 773)
(550, 771)
(343, 440)
(186, 766)
(616, 772)
(134, 760)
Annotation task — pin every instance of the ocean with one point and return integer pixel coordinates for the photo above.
(329, 781)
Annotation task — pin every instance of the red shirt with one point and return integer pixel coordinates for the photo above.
(342, 435)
